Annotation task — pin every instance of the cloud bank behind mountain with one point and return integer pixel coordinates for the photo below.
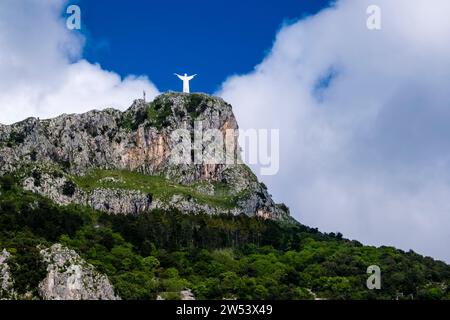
(364, 121)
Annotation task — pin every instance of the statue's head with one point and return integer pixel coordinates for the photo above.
(185, 74)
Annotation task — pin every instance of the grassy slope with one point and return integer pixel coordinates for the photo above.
(159, 187)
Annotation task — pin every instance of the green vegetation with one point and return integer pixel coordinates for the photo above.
(158, 113)
(196, 105)
(127, 122)
(159, 187)
(217, 257)
(27, 267)
(14, 139)
(69, 188)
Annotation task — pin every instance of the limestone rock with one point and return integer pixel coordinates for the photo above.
(187, 295)
(47, 154)
(6, 283)
(120, 201)
(69, 277)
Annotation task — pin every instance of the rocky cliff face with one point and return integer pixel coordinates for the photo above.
(52, 157)
(6, 283)
(71, 278)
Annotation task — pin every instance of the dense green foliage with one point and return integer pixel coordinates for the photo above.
(159, 111)
(215, 256)
(197, 104)
(156, 113)
(27, 267)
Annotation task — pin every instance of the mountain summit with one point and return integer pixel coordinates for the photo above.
(122, 162)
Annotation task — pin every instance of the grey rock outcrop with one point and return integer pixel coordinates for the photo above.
(69, 277)
(131, 140)
(120, 201)
(52, 187)
(187, 295)
(6, 283)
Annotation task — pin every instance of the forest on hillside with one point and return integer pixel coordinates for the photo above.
(217, 257)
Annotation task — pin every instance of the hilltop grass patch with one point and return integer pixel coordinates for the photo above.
(159, 187)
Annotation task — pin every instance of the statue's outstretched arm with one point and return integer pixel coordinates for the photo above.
(181, 77)
(192, 77)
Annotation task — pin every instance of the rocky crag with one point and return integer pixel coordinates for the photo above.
(6, 283)
(120, 162)
(69, 277)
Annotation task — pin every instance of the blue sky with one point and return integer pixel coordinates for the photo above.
(214, 39)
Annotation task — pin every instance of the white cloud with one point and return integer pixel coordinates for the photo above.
(41, 70)
(363, 118)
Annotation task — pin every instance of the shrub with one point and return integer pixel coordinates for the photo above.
(7, 182)
(69, 188)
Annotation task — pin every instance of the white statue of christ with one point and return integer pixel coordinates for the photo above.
(185, 80)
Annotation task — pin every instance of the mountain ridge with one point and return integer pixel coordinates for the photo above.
(52, 154)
